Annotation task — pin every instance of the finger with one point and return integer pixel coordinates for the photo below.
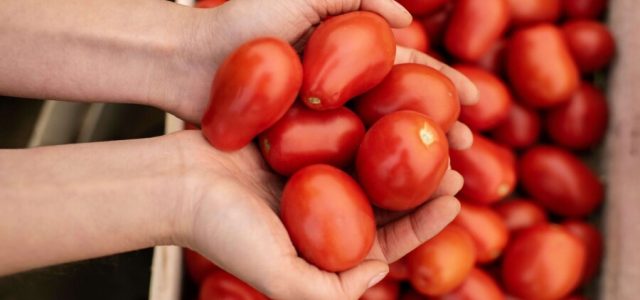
(392, 11)
(466, 89)
(460, 136)
(357, 280)
(450, 185)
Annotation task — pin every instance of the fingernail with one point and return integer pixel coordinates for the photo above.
(377, 279)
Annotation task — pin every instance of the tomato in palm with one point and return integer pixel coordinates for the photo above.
(346, 56)
(560, 181)
(401, 160)
(328, 217)
(540, 66)
(494, 59)
(592, 240)
(221, 285)
(478, 286)
(385, 290)
(442, 263)
(414, 36)
(543, 262)
(520, 214)
(209, 3)
(580, 123)
(488, 169)
(583, 9)
(436, 24)
(527, 12)
(252, 89)
(475, 25)
(398, 270)
(304, 137)
(520, 129)
(198, 266)
(590, 43)
(494, 99)
(486, 228)
(422, 7)
(412, 87)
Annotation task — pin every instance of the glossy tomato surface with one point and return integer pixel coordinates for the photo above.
(527, 12)
(478, 286)
(414, 36)
(560, 181)
(540, 66)
(521, 214)
(402, 160)
(442, 263)
(590, 43)
(489, 170)
(584, 9)
(520, 129)
(422, 7)
(252, 89)
(412, 87)
(486, 228)
(494, 99)
(221, 285)
(209, 3)
(198, 266)
(384, 290)
(346, 56)
(304, 137)
(582, 122)
(593, 242)
(328, 217)
(543, 262)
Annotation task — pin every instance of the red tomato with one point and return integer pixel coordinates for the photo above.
(584, 9)
(414, 36)
(252, 89)
(475, 25)
(305, 137)
(494, 100)
(560, 181)
(385, 290)
(412, 87)
(398, 270)
(486, 228)
(328, 217)
(412, 295)
(422, 7)
(520, 214)
(540, 66)
(592, 240)
(478, 286)
(488, 169)
(521, 128)
(580, 123)
(198, 266)
(493, 60)
(209, 3)
(543, 262)
(436, 24)
(590, 43)
(442, 263)
(221, 285)
(527, 12)
(401, 160)
(346, 56)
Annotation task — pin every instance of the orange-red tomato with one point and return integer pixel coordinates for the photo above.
(398, 270)
(560, 181)
(494, 59)
(436, 24)
(520, 129)
(412, 87)
(580, 123)
(442, 263)
(494, 99)
(198, 266)
(488, 169)
(590, 43)
(478, 286)
(520, 214)
(304, 137)
(385, 290)
(401, 160)
(328, 217)
(252, 89)
(475, 25)
(346, 56)
(527, 12)
(414, 36)
(209, 3)
(543, 262)
(422, 7)
(540, 66)
(584, 9)
(221, 285)
(486, 228)
(592, 240)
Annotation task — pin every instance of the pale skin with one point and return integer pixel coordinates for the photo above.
(73, 202)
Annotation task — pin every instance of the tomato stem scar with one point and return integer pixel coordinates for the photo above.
(314, 100)
(426, 135)
(503, 189)
(267, 145)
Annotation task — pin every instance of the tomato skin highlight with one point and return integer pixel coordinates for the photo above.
(252, 89)
(486, 228)
(527, 12)
(328, 217)
(478, 286)
(422, 7)
(591, 44)
(304, 137)
(402, 160)
(521, 214)
(384, 290)
(593, 242)
(414, 36)
(412, 87)
(494, 99)
(221, 285)
(346, 56)
(520, 129)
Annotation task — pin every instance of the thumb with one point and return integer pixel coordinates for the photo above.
(367, 274)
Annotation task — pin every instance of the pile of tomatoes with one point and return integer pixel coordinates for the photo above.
(366, 133)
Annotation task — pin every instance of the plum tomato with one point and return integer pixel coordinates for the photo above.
(478, 286)
(494, 60)
(198, 266)
(583, 9)
(590, 43)
(436, 24)
(520, 214)
(486, 228)
(221, 285)
(422, 7)
(592, 240)
(527, 12)
(520, 129)
(414, 36)
(384, 290)
(494, 99)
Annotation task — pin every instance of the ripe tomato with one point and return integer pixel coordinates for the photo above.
(304, 137)
(584, 9)
(590, 43)
(493, 60)
(540, 66)
(414, 36)
(209, 3)
(385, 290)
(398, 270)
(401, 160)
(412, 87)
(475, 25)
(328, 217)
(442, 263)
(488, 169)
(520, 129)
(543, 262)
(592, 240)
(560, 181)
(412, 295)
(494, 99)
(478, 286)
(221, 285)
(198, 266)
(436, 24)
(520, 214)
(486, 228)
(527, 12)
(346, 56)
(252, 89)
(422, 7)
(580, 123)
